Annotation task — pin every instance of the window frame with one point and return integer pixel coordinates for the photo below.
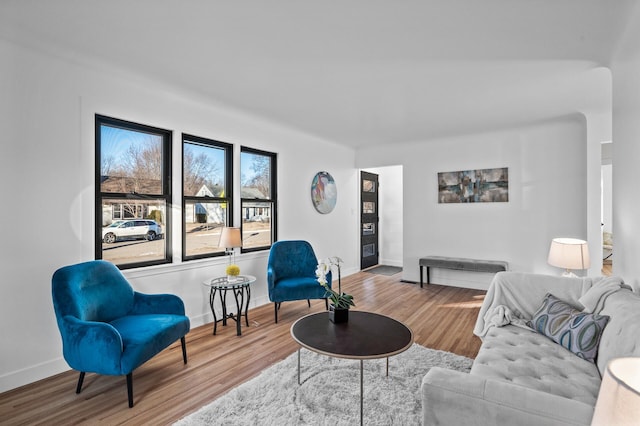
(228, 198)
(165, 196)
(273, 198)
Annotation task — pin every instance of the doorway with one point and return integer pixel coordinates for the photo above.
(606, 205)
(369, 220)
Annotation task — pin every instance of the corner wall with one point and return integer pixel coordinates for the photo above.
(47, 161)
(547, 197)
(626, 153)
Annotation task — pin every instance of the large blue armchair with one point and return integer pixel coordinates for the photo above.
(291, 274)
(107, 327)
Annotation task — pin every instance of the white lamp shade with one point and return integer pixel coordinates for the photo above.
(569, 253)
(619, 398)
(230, 238)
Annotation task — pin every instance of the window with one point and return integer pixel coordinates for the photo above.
(368, 186)
(258, 198)
(368, 207)
(368, 229)
(207, 175)
(133, 192)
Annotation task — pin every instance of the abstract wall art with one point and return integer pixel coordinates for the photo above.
(474, 186)
(324, 192)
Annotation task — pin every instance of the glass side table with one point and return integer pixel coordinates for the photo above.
(241, 289)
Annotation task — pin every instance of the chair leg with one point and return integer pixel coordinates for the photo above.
(80, 380)
(130, 388)
(184, 349)
(309, 302)
(275, 310)
(326, 303)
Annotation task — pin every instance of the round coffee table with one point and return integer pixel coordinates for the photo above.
(365, 336)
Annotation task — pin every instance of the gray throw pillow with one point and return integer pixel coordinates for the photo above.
(575, 330)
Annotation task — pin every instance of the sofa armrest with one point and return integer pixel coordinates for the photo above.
(144, 304)
(455, 398)
(523, 293)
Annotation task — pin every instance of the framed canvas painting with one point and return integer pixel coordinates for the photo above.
(324, 192)
(474, 186)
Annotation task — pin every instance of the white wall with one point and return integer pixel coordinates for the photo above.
(46, 178)
(547, 197)
(47, 112)
(390, 211)
(626, 153)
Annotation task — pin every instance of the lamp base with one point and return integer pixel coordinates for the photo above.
(569, 274)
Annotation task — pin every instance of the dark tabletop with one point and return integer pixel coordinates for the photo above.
(365, 335)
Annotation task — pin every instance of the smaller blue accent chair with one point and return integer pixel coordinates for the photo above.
(291, 274)
(107, 327)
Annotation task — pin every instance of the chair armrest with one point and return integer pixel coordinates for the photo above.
(91, 345)
(157, 304)
(271, 277)
(456, 398)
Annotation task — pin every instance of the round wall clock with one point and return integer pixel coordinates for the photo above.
(324, 192)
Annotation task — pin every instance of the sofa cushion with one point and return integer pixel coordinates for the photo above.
(526, 358)
(570, 327)
(143, 336)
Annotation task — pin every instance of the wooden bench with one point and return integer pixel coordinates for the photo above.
(460, 264)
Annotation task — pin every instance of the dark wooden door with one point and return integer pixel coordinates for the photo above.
(368, 219)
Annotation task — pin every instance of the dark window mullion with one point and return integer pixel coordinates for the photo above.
(129, 152)
(252, 208)
(192, 246)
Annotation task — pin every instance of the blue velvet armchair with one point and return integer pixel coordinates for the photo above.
(291, 274)
(107, 327)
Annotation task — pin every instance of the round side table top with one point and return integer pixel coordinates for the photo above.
(225, 283)
(365, 336)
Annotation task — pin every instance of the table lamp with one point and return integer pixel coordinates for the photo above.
(230, 238)
(619, 398)
(569, 253)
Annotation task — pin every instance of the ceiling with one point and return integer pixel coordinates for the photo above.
(355, 72)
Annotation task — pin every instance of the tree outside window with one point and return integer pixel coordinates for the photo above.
(207, 195)
(133, 192)
(258, 198)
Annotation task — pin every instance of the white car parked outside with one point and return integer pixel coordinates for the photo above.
(131, 229)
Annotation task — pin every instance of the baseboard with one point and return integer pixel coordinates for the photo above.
(33, 373)
(207, 317)
(464, 279)
(390, 262)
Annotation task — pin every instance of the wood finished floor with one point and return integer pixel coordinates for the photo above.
(166, 390)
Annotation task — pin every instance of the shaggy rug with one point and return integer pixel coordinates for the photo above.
(330, 391)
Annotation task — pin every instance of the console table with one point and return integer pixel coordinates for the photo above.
(460, 264)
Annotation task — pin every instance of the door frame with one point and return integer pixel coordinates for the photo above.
(369, 221)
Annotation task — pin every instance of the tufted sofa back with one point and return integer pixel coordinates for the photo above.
(91, 291)
(620, 337)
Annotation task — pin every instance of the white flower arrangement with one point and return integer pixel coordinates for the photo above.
(324, 266)
(338, 298)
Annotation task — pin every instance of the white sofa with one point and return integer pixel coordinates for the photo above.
(521, 377)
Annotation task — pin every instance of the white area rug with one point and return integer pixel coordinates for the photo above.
(330, 391)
